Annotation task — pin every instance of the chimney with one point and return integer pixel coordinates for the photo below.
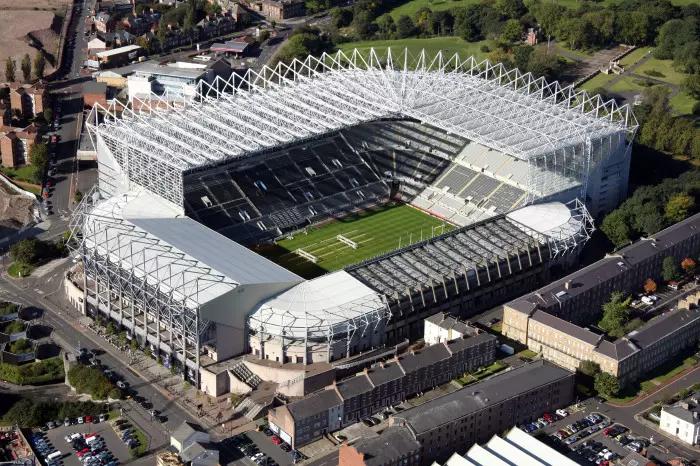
(381, 364)
(684, 405)
(567, 285)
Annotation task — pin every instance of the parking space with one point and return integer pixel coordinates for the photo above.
(257, 448)
(590, 438)
(105, 437)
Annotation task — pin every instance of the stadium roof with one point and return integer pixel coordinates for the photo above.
(183, 258)
(504, 109)
(319, 307)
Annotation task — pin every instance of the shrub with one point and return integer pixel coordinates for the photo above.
(13, 327)
(40, 372)
(7, 308)
(90, 380)
(20, 346)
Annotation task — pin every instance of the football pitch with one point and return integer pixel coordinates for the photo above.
(353, 239)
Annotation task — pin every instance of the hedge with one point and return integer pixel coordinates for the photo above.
(40, 372)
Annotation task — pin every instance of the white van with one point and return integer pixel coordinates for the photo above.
(54, 455)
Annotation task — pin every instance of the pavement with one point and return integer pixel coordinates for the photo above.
(46, 294)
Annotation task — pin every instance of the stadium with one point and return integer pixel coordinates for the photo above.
(319, 210)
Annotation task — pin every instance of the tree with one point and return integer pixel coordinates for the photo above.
(544, 64)
(650, 286)
(607, 384)
(39, 65)
(39, 159)
(386, 26)
(362, 23)
(616, 314)
(28, 251)
(512, 31)
(521, 56)
(616, 228)
(341, 17)
(669, 269)
(679, 207)
(26, 67)
(589, 368)
(510, 8)
(421, 20)
(688, 265)
(405, 27)
(691, 85)
(48, 114)
(10, 70)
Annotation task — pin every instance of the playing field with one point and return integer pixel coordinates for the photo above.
(367, 235)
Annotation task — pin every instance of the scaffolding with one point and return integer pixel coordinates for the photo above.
(146, 286)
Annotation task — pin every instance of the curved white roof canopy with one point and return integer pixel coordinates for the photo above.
(551, 219)
(320, 308)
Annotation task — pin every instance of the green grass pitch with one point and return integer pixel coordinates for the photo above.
(375, 232)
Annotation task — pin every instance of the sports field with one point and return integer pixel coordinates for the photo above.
(373, 233)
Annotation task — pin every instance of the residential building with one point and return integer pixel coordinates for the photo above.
(279, 10)
(465, 417)
(214, 26)
(28, 100)
(379, 387)
(516, 447)
(175, 80)
(552, 321)
(5, 113)
(103, 22)
(194, 446)
(395, 446)
(186, 434)
(682, 420)
(16, 144)
(442, 327)
(95, 92)
(95, 45)
(579, 297)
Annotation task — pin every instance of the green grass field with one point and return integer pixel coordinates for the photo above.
(448, 45)
(375, 232)
(634, 56)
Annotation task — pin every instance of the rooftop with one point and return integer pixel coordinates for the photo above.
(393, 443)
(607, 268)
(524, 122)
(686, 412)
(117, 51)
(455, 405)
(448, 322)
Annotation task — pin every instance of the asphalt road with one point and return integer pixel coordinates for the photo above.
(45, 293)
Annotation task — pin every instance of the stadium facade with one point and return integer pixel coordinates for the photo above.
(514, 162)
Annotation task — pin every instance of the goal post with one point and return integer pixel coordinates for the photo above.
(306, 255)
(347, 241)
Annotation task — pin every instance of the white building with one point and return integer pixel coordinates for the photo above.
(177, 80)
(442, 327)
(516, 447)
(682, 420)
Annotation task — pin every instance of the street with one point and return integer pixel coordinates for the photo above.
(45, 293)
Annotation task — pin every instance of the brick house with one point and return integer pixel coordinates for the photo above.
(279, 10)
(16, 144)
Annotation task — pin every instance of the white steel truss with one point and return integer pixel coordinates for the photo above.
(550, 126)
